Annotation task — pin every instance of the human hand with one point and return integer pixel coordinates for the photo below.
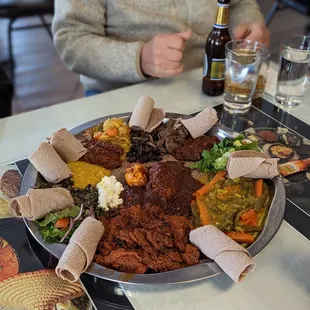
(254, 32)
(161, 57)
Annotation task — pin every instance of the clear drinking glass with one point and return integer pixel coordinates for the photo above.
(243, 63)
(293, 75)
(262, 76)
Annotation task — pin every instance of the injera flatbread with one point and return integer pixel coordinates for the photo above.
(251, 164)
(155, 120)
(49, 164)
(142, 112)
(80, 251)
(39, 202)
(67, 146)
(235, 260)
(201, 123)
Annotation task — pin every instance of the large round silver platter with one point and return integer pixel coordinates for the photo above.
(206, 268)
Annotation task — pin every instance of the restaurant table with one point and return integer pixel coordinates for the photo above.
(282, 277)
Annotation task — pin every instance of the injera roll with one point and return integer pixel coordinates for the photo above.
(228, 254)
(201, 123)
(155, 120)
(39, 202)
(67, 146)
(49, 164)
(142, 112)
(80, 251)
(251, 164)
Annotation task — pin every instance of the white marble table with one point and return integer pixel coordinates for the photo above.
(282, 278)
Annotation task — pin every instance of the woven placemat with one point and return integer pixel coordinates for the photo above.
(39, 290)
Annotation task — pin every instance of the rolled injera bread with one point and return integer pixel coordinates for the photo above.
(39, 202)
(49, 164)
(155, 120)
(234, 259)
(67, 146)
(251, 164)
(201, 123)
(142, 112)
(80, 251)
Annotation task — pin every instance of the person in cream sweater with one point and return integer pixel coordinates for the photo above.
(115, 43)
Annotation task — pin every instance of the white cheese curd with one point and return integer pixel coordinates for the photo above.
(109, 190)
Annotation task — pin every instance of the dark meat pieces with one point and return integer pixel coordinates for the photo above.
(145, 239)
(191, 150)
(142, 148)
(170, 187)
(104, 154)
(168, 138)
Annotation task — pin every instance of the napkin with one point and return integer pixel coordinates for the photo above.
(251, 164)
(80, 251)
(234, 259)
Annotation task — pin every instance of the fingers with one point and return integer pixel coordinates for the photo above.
(186, 35)
(162, 56)
(171, 72)
(241, 31)
(253, 32)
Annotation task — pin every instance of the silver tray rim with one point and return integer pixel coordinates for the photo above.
(206, 268)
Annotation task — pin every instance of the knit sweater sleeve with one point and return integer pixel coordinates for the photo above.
(81, 42)
(244, 11)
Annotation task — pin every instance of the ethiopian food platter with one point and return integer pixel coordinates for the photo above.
(152, 197)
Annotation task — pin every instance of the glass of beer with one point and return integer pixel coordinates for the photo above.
(293, 75)
(262, 76)
(243, 63)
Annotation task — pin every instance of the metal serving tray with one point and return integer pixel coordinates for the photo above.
(206, 268)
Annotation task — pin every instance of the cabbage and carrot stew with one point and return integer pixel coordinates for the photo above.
(238, 207)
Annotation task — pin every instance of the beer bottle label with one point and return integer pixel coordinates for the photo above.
(217, 69)
(222, 16)
(205, 65)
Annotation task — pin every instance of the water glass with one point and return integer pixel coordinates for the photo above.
(243, 64)
(293, 75)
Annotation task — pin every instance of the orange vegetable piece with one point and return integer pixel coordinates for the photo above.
(249, 218)
(259, 188)
(206, 188)
(62, 223)
(97, 135)
(240, 237)
(112, 132)
(203, 212)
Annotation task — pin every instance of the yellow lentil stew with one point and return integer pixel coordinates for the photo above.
(85, 174)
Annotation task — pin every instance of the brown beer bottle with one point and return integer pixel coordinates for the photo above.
(214, 62)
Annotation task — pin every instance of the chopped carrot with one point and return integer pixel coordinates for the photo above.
(112, 132)
(233, 189)
(97, 135)
(205, 189)
(203, 213)
(259, 188)
(62, 223)
(249, 218)
(240, 237)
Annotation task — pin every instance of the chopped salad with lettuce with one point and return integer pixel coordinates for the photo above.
(216, 159)
(59, 226)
